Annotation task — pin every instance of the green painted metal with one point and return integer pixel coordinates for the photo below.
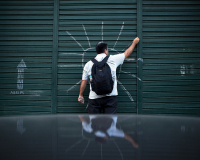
(139, 57)
(55, 59)
(26, 29)
(81, 26)
(171, 79)
(45, 44)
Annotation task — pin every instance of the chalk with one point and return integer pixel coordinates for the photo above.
(86, 148)
(122, 86)
(21, 66)
(119, 34)
(119, 150)
(73, 145)
(73, 53)
(86, 35)
(132, 75)
(75, 40)
(74, 85)
(102, 31)
(70, 65)
(130, 59)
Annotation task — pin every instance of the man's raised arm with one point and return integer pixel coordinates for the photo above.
(131, 48)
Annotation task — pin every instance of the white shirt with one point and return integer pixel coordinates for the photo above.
(113, 61)
(112, 131)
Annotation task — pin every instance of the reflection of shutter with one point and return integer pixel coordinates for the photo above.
(26, 51)
(81, 26)
(171, 31)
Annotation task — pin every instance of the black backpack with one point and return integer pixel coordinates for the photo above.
(101, 80)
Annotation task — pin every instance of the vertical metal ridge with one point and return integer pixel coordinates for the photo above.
(55, 58)
(139, 57)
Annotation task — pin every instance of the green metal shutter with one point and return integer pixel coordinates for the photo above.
(26, 56)
(171, 47)
(82, 24)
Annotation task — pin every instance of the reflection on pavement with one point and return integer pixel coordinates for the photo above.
(107, 137)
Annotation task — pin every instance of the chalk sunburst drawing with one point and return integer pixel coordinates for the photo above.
(110, 49)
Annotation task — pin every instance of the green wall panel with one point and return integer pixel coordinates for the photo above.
(171, 47)
(44, 46)
(26, 29)
(82, 24)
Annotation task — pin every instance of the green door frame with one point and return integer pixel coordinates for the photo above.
(139, 57)
(55, 57)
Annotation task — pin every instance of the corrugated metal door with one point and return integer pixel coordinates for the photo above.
(171, 47)
(26, 29)
(82, 24)
(45, 44)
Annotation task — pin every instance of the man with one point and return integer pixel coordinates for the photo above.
(109, 101)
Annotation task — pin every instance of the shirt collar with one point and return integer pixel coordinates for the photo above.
(101, 55)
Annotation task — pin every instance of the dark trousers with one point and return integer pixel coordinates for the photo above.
(108, 104)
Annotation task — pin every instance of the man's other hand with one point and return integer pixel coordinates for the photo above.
(81, 99)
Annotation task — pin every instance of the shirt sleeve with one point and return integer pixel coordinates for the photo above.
(87, 127)
(118, 58)
(85, 73)
(115, 133)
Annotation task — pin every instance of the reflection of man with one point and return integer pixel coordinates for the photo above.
(104, 127)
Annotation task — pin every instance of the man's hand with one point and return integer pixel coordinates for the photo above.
(136, 40)
(81, 99)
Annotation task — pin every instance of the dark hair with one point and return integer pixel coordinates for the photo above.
(100, 47)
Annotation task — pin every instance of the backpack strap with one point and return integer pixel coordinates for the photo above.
(94, 61)
(103, 61)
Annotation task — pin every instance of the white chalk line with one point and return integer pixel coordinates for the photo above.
(83, 59)
(74, 86)
(74, 145)
(89, 49)
(75, 40)
(73, 54)
(102, 31)
(130, 59)
(140, 59)
(120, 70)
(86, 36)
(70, 65)
(85, 50)
(119, 34)
(129, 73)
(119, 149)
(126, 46)
(122, 86)
(85, 148)
(86, 107)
